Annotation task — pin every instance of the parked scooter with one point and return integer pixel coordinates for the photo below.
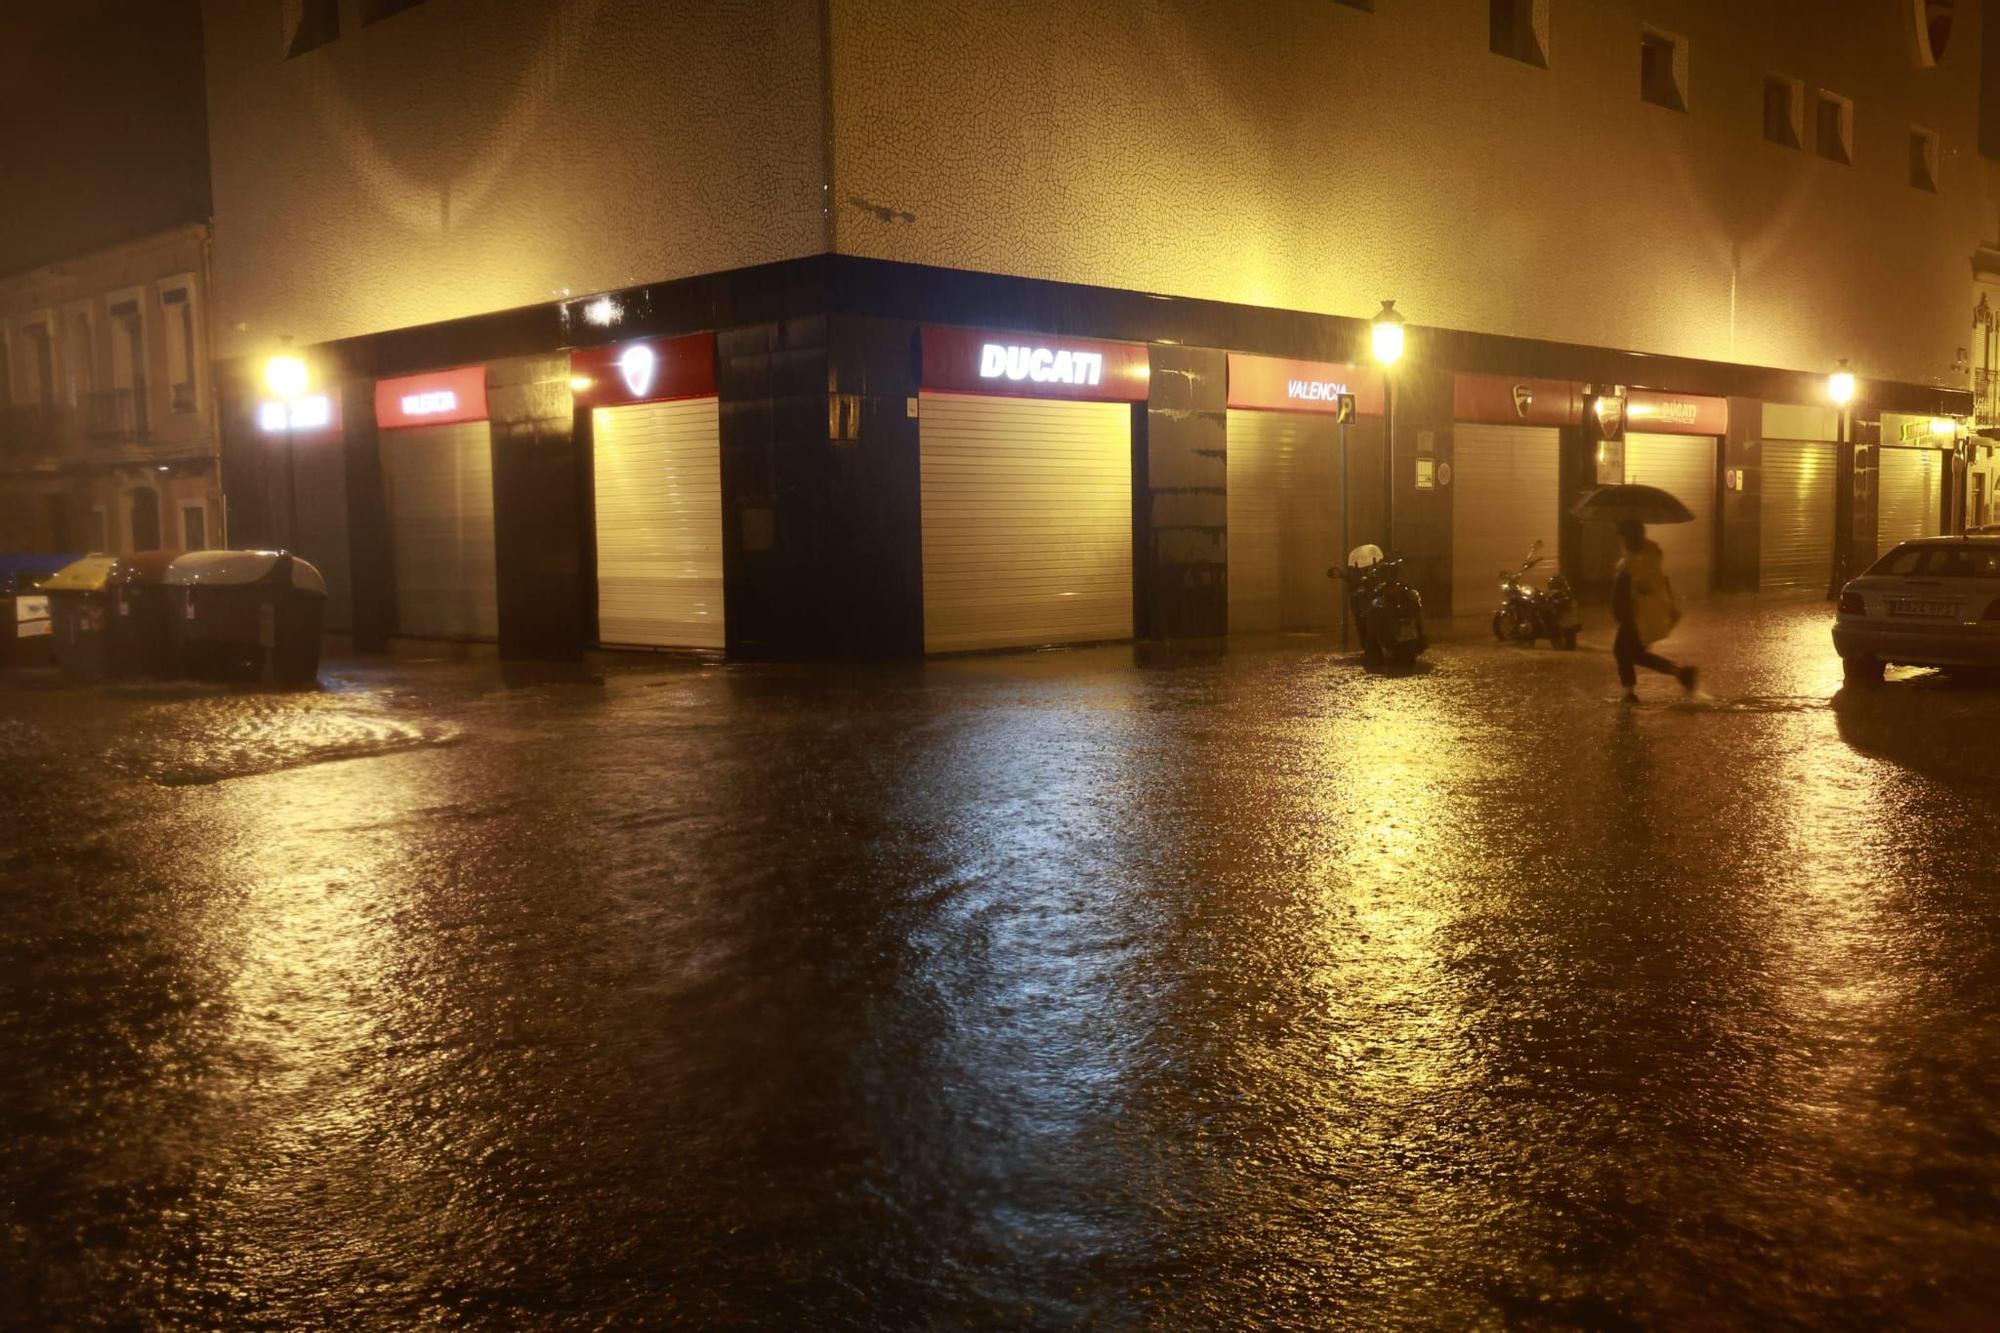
(1388, 611)
(1527, 613)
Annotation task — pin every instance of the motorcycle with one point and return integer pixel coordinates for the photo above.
(1388, 611)
(1527, 613)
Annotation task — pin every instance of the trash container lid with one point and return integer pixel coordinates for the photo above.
(89, 574)
(227, 569)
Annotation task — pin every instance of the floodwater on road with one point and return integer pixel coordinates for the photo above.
(1132, 987)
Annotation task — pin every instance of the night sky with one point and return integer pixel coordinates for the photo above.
(103, 130)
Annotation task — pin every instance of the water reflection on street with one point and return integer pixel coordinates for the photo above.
(1135, 987)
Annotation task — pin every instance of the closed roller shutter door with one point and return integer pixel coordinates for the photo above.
(440, 489)
(659, 524)
(1284, 521)
(1795, 547)
(1027, 521)
(1505, 496)
(1683, 465)
(1910, 503)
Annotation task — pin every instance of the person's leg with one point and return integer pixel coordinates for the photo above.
(1627, 649)
(1652, 661)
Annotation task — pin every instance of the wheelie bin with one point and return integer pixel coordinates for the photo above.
(249, 616)
(112, 616)
(27, 636)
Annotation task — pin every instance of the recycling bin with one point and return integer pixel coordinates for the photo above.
(27, 635)
(141, 626)
(79, 605)
(248, 615)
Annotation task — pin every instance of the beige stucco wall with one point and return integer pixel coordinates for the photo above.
(474, 155)
(1305, 154)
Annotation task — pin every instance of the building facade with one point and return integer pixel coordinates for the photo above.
(877, 327)
(108, 413)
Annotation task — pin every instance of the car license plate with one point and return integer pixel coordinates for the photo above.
(1935, 610)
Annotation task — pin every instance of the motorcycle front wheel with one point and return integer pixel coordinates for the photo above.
(1500, 626)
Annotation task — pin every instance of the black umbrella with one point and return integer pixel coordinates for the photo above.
(1615, 504)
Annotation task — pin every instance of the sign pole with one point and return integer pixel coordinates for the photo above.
(1344, 414)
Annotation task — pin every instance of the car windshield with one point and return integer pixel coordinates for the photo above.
(1940, 562)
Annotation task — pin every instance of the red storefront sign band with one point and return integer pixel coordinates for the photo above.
(1032, 366)
(1498, 400)
(1276, 384)
(648, 370)
(438, 398)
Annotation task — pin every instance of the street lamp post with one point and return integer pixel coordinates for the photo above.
(1840, 390)
(1386, 332)
(286, 378)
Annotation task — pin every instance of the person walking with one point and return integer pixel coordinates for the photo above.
(1643, 603)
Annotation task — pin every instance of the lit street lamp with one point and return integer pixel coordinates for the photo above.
(287, 379)
(1387, 335)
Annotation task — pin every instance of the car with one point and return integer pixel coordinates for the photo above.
(1934, 602)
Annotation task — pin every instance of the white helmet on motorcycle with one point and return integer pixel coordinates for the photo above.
(1361, 557)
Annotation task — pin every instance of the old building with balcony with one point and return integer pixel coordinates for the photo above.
(108, 439)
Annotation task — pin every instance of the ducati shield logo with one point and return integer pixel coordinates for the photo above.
(1524, 398)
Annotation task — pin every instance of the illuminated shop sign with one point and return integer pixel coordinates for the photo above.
(1042, 365)
(441, 398)
(1275, 384)
(972, 361)
(647, 371)
(1506, 401)
(1675, 413)
(315, 412)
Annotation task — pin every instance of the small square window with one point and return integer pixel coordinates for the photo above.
(311, 25)
(1519, 30)
(374, 11)
(1833, 128)
(1923, 159)
(1663, 60)
(1784, 111)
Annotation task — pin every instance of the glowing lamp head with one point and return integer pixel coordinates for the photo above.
(580, 383)
(1943, 427)
(285, 377)
(1387, 331)
(1840, 386)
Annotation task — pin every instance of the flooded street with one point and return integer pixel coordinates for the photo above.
(1122, 987)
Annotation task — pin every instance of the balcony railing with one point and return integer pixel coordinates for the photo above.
(114, 415)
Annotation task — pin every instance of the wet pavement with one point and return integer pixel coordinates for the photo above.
(1114, 987)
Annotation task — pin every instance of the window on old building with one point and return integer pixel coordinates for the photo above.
(183, 357)
(1833, 128)
(128, 362)
(313, 24)
(1923, 159)
(1663, 62)
(1784, 111)
(79, 360)
(1519, 30)
(41, 362)
(194, 527)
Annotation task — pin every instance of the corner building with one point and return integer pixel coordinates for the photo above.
(863, 328)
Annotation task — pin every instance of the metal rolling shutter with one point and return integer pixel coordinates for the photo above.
(1284, 521)
(659, 524)
(440, 489)
(1909, 502)
(1505, 495)
(1795, 548)
(1685, 466)
(1027, 521)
